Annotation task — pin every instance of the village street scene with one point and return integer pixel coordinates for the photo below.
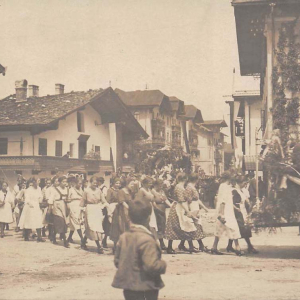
(150, 149)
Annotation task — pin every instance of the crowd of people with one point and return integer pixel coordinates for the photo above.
(97, 212)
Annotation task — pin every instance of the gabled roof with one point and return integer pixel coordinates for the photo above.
(220, 123)
(193, 113)
(45, 112)
(141, 98)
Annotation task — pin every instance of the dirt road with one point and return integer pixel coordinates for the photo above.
(31, 270)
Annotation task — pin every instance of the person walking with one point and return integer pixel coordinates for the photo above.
(6, 207)
(32, 215)
(120, 218)
(76, 220)
(226, 222)
(160, 204)
(112, 200)
(180, 224)
(59, 197)
(241, 215)
(93, 200)
(138, 257)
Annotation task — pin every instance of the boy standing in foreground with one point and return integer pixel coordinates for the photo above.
(138, 257)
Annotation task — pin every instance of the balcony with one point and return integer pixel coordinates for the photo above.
(159, 141)
(176, 143)
(48, 163)
(158, 123)
(176, 128)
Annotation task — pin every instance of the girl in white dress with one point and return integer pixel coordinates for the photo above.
(226, 222)
(6, 206)
(76, 220)
(32, 215)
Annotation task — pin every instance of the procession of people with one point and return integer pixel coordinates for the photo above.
(96, 212)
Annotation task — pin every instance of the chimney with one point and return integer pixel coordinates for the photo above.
(59, 89)
(21, 90)
(33, 91)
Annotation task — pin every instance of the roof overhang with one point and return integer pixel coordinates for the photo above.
(250, 37)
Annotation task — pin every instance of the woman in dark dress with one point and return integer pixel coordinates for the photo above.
(160, 203)
(120, 219)
(239, 201)
(112, 199)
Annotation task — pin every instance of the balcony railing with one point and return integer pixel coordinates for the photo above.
(41, 163)
(176, 128)
(158, 123)
(159, 140)
(176, 143)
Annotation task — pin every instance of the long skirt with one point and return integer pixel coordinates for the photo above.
(221, 229)
(6, 215)
(174, 231)
(161, 222)
(59, 224)
(120, 222)
(75, 212)
(93, 222)
(245, 230)
(106, 224)
(31, 218)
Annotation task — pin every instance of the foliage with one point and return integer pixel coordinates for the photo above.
(281, 204)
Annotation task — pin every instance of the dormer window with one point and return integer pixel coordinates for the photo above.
(3, 146)
(137, 115)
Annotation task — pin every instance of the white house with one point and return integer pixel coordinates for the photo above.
(80, 132)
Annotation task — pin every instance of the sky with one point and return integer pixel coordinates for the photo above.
(185, 48)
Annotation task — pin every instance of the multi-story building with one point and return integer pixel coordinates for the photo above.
(153, 110)
(218, 141)
(267, 36)
(246, 126)
(81, 132)
(178, 112)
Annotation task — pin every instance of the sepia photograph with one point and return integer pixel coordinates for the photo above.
(149, 149)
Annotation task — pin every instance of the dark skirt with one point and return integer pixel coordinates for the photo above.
(245, 230)
(106, 224)
(174, 232)
(161, 220)
(120, 222)
(59, 224)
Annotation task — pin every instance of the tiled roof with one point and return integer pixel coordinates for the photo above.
(46, 111)
(141, 98)
(220, 123)
(42, 110)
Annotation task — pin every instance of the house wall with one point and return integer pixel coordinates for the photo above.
(145, 115)
(67, 133)
(252, 122)
(206, 159)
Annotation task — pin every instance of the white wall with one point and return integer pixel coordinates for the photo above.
(66, 132)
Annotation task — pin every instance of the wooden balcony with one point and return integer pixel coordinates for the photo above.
(44, 163)
(176, 143)
(176, 128)
(158, 123)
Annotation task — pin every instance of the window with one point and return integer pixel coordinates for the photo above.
(80, 121)
(71, 150)
(3, 146)
(58, 148)
(97, 149)
(137, 115)
(42, 146)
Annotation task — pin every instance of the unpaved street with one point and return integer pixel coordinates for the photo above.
(43, 271)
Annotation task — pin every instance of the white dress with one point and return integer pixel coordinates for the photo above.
(230, 228)
(75, 209)
(6, 215)
(32, 215)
